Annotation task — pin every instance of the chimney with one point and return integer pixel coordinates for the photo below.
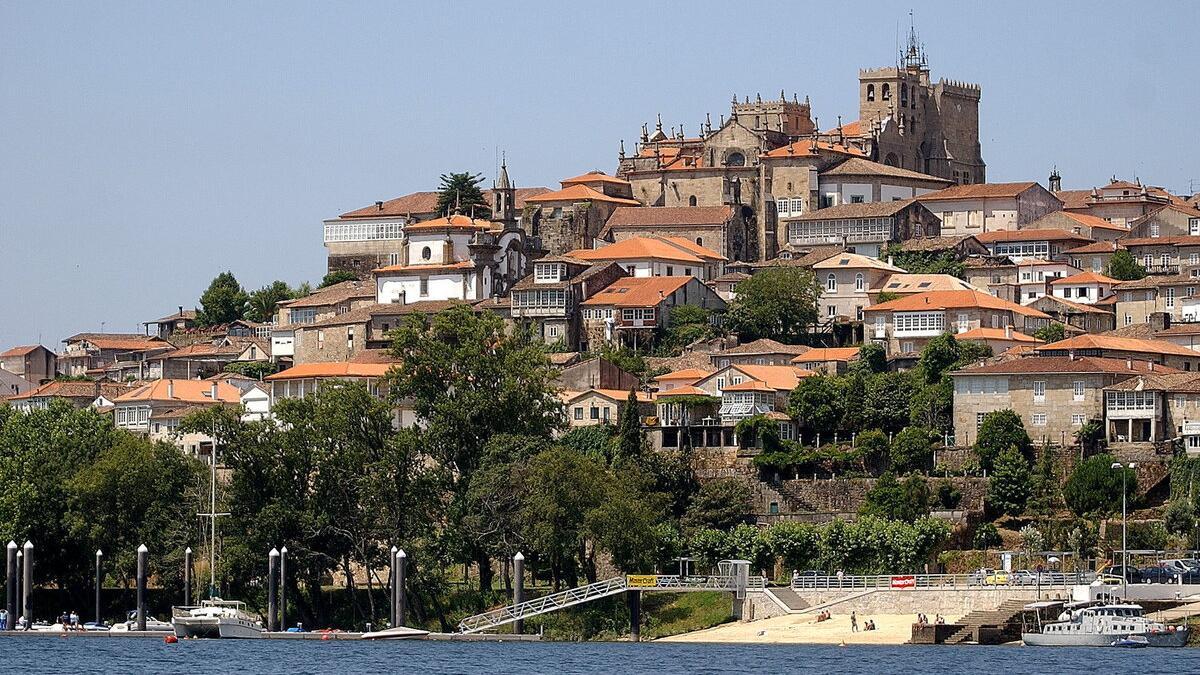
(170, 388)
(181, 310)
(379, 206)
(1129, 364)
(892, 261)
(1008, 332)
(212, 392)
(1150, 366)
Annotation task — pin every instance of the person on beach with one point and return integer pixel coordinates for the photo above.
(839, 576)
(854, 622)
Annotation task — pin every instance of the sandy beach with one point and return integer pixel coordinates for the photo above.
(891, 629)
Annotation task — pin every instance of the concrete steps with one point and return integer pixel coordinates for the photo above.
(788, 599)
(971, 623)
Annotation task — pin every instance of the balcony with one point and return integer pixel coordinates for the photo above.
(1160, 268)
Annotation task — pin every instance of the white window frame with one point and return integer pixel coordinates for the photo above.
(1080, 389)
(1039, 419)
(1039, 391)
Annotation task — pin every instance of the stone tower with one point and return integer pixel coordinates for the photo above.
(504, 209)
(922, 126)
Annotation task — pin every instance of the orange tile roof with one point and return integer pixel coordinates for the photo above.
(1049, 234)
(1063, 364)
(1093, 221)
(439, 267)
(581, 193)
(685, 390)
(130, 344)
(456, 221)
(74, 389)
(803, 148)
(594, 177)
(819, 354)
(687, 374)
(1085, 278)
(978, 191)
(421, 203)
(637, 291)
(331, 369)
(648, 248)
(953, 300)
(696, 249)
(848, 129)
(19, 351)
(1119, 344)
(184, 391)
(750, 385)
(618, 395)
(776, 377)
(996, 334)
(1095, 247)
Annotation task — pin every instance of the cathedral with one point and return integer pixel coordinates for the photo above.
(771, 153)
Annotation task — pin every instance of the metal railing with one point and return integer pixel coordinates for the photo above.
(992, 579)
(546, 603)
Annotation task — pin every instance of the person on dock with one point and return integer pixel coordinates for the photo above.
(854, 622)
(3, 619)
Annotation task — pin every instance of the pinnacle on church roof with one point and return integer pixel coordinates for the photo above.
(622, 154)
(502, 182)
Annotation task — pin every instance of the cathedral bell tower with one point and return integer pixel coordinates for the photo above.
(504, 209)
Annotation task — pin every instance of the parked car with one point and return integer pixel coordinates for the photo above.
(807, 578)
(1022, 578)
(1182, 565)
(1133, 575)
(1158, 575)
(996, 578)
(979, 577)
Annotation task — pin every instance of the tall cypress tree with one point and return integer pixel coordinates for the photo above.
(629, 430)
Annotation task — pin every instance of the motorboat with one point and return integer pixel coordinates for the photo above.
(397, 633)
(1099, 624)
(130, 624)
(216, 618)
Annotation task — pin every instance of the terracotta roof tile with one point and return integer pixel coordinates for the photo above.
(765, 346)
(659, 216)
(332, 295)
(849, 260)
(1181, 382)
(997, 334)
(1030, 235)
(1095, 247)
(649, 248)
(1085, 278)
(978, 191)
(420, 203)
(1063, 364)
(19, 351)
(580, 193)
(184, 391)
(803, 148)
(859, 166)
(594, 177)
(1119, 344)
(637, 291)
(687, 374)
(455, 221)
(820, 354)
(331, 369)
(862, 210)
(953, 300)
(776, 377)
(74, 389)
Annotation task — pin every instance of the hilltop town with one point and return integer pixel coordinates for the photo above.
(811, 309)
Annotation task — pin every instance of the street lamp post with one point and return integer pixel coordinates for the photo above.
(1124, 528)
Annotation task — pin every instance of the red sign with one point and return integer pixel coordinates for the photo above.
(905, 581)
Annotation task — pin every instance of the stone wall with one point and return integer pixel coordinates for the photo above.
(947, 602)
(847, 495)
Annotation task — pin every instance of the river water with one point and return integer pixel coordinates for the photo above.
(134, 655)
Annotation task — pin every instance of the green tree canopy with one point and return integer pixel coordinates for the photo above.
(1094, 488)
(689, 323)
(630, 440)
(1051, 332)
(779, 303)
(871, 358)
(1124, 267)
(1001, 430)
(912, 450)
(719, 504)
(263, 301)
(893, 499)
(814, 402)
(462, 191)
(1008, 485)
(224, 301)
(337, 277)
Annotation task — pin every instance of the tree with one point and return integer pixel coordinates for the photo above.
(986, 536)
(1124, 267)
(895, 500)
(1043, 485)
(468, 379)
(939, 355)
(224, 301)
(871, 359)
(594, 440)
(263, 301)
(925, 262)
(779, 303)
(795, 544)
(886, 401)
(1008, 485)
(256, 369)
(1090, 436)
(1051, 332)
(873, 447)
(1001, 429)
(814, 402)
(912, 450)
(932, 405)
(719, 505)
(689, 324)
(337, 277)
(560, 487)
(629, 431)
(461, 191)
(1094, 488)
(1180, 518)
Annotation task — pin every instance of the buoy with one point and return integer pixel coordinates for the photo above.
(170, 639)
(325, 636)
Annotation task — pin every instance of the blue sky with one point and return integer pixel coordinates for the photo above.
(145, 147)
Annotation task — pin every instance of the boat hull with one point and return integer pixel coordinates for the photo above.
(212, 627)
(397, 633)
(1166, 639)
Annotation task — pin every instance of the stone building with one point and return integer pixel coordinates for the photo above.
(903, 326)
(1119, 347)
(93, 354)
(35, 363)
(1168, 221)
(322, 304)
(848, 282)
(1172, 295)
(1120, 202)
(633, 311)
(548, 300)
(1154, 407)
(1075, 317)
(1021, 282)
(1093, 257)
(1082, 224)
(864, 228)
(1053, 395)
(572, 217)
(976, 209)
(720, 228)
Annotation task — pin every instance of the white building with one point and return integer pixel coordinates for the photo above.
(1085, 287)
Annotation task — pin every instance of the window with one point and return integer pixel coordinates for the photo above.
(1170, 297)
(320, 339)
(1076, 420)
(785, 431)
(1129, 400)
(552, 330)
(773, 507)
(1039, 419)
(979, 419)
(350, 339)
(856, 199)
(1164, 259)
(1193, 226)
(302, 315)
(339, 231)
(870, 92)
(637, 314)
(858, 313)
(735, 159)
(1147, 260)
(426, 253)
(1194, 258)
(964, 322)
(549, 272)
(720, 383)
(393, 258)
(578, 412)
(1079, 390)
(1039, 391)
(692, 200)
(595, 413)
(1128, 319)
(832, 311)
(424, 287)
(886, 92)
(919, 322)
(1153, 229)
(831, 283)
(860, 282)
(670, 271)
(907, 347)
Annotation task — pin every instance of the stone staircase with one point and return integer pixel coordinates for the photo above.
(789, 599)
(971, 623)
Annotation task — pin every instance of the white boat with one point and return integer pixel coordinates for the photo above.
(216, 618)
(152, 625)
(397, 633)
(1101, 625)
